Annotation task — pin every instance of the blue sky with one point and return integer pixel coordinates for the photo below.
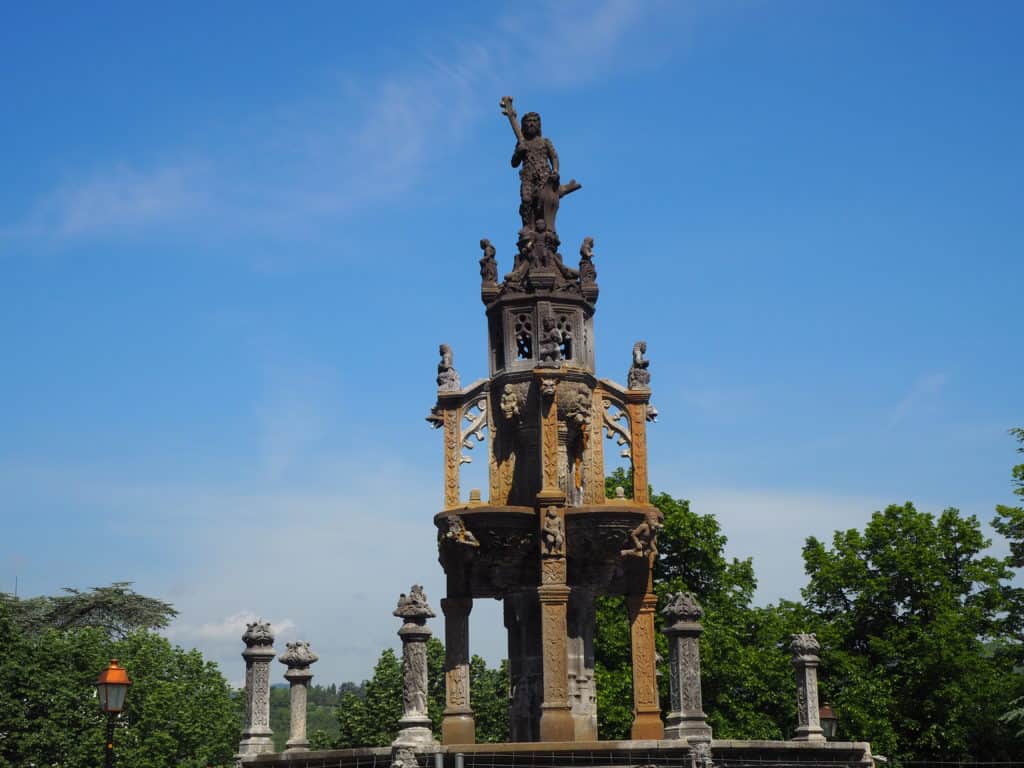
(232, 237)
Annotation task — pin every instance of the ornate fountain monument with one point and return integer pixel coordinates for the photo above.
(546, 541)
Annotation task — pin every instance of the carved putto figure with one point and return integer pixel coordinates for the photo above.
(488, 264)
(414, 605)
(447, 376)
(540, 190)
(550, 347)
(644, 538)
(458, 533)
(258, 633)
(552, 533)
(588, 272)
(639, 377)
(510, 406)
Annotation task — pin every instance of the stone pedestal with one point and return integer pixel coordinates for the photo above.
(298, 658)
(458, 725)
(682, 627)
(805, 662)
(646, 711)
(258, 653)
(414, 726)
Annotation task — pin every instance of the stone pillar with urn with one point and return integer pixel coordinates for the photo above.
(258, 653)
(805, 649)
(414, 726)
(298, 657)
(682, 627)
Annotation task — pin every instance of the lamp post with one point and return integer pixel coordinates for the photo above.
(111, 687)
(829, 721)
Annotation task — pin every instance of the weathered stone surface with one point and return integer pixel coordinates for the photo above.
(414, 726)
(805, 649)
(258, 653)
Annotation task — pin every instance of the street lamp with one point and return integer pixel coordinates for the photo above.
(829, 721)
(111, 687)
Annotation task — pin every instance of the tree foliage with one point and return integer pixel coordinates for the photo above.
(179, 711)
(116, 609)
(911, 615)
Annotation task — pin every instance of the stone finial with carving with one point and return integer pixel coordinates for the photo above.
(257, 634)
(488, 264)
(682, 606)
(414, 605)
(805, 644)
(298, 655)
(639, 377)
(447, 376)
(587, 270)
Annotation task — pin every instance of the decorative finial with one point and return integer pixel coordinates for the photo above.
(298, 655)
(257, 633)
(639, 377)
(414, 605)
(447, 376)
(682, 606)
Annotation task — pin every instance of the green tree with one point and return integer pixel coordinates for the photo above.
(911, 618)
(748, 685)
(1009, 521)
(117, 609)
(179, 711)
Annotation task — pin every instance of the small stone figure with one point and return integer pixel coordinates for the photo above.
(458, 533)
(550, 347)
(488, 264)
(639, 377)
(644, 538)
(510, 405)
(447, 376)
(552, 533)
(588, 272)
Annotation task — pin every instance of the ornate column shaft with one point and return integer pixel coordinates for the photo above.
(556, 721)
(414, 727)
(646, 711)
(682, 627)
(805, 662)
(258, 653)
(637, 407)
(452, 453)
(458, 725)
(582, 685)
(298, 657)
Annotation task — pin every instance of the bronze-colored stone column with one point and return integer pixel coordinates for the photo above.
(457, 725)
(298, 657)
(682, 626)
(414, 726)
(556, 721)
(637, 408)
(452, 451)
(805, 649)
(646, 712)
(258, 653)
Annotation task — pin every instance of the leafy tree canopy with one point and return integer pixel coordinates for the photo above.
(116, 609)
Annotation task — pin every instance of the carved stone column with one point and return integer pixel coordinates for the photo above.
(805, 661)
(556, 721)
(298, 657)
(414, 726)
(682, 626)
(582, 685)
(258, 653)
(646, 711)
(452, 450)
(457, 726)
(525, 668)
(637, 407)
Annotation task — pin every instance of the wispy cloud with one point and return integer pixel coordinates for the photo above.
(118, 200)
(923, 393)
(361, 140)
